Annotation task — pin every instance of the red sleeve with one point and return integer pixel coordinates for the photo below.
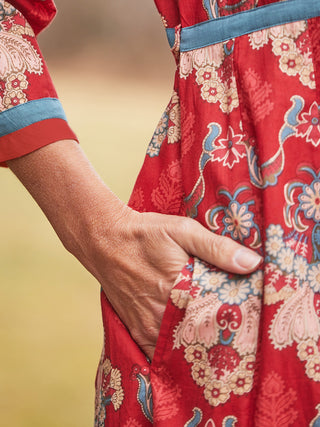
(39, 13)
(31, 115)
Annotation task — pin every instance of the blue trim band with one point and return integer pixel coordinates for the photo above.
(31, 112)
(171, 36)
(228, 27)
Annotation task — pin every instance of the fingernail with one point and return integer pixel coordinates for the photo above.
(247, 259)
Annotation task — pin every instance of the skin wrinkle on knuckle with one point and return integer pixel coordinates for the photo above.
(220, 247)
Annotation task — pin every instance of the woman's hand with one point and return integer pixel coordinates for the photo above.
(136, 257)
(138, 260)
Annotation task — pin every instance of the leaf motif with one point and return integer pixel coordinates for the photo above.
(168, 195)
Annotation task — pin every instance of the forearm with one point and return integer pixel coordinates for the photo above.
(135, 257)
(71, 194)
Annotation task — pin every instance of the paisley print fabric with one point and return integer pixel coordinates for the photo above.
(237, 149)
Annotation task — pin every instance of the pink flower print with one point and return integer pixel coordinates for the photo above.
(310, 127)
(230, 150)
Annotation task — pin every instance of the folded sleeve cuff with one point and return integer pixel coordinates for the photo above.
(30, 126)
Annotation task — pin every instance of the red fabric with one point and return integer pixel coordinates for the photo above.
(32, 137)
(237, 149)
(39, 13)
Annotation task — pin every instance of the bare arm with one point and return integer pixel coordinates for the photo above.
(135, 256)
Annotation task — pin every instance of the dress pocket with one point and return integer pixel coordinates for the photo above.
(208, 340)
(174, 311)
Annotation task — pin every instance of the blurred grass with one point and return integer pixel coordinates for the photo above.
(50, 333)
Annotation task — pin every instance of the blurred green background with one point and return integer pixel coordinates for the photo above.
(113, 72)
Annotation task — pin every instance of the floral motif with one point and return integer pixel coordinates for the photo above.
(310, 125)
(205, 74)
(210, 282)
(168, 128)
(285, 259)
(307, 202)
(195, 353)
(274, 245)
(241, 383)
(274, 230)
(216, 393)
(300, 267)
(248, 365)
(307, 349)
(313, 368)
(230, 100)
(238, 220)
(256, 283)
(280, 35)
(16, 82)
(14, 98)
(229, 150)
(201, 373)
(294, 58)
(307, 76)
(314, 277)
(291, 64)
(234, 292)
(212, 91)
(283, 46)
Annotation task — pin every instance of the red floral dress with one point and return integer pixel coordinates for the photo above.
(237, 149)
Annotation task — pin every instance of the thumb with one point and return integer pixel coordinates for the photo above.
(217, 250)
